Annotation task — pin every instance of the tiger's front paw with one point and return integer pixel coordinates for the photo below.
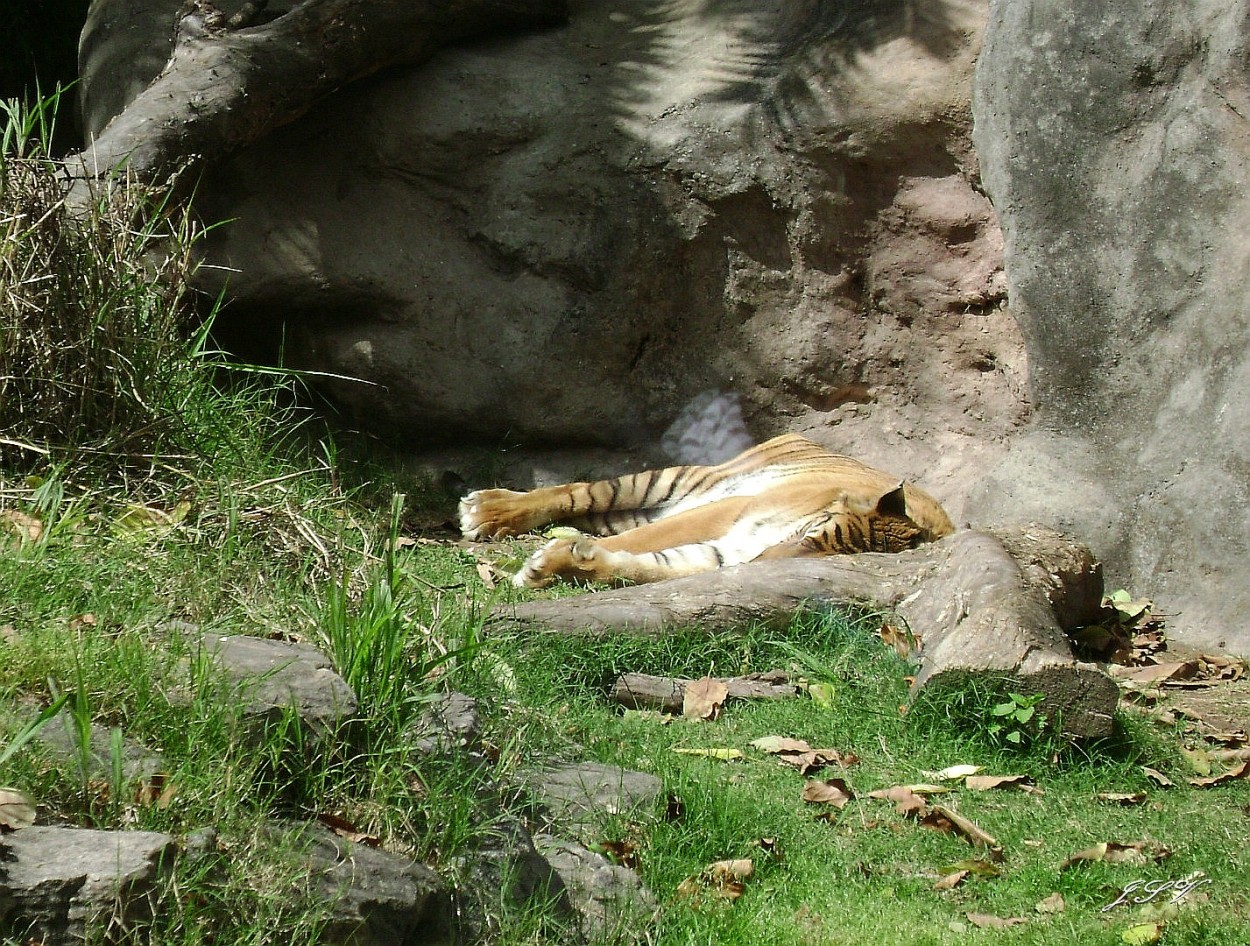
(494, 514)
(576, 559)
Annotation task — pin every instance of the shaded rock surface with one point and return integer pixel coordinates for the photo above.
(59, 884)
(561, 237)
(613, 903)
(1111, 140)
(372, 897)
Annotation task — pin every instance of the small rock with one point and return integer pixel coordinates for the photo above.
(451, 722)
(275, 676)
(612, 901)
(582, 794)
(59, 883)
(138, 762)
(375, 898)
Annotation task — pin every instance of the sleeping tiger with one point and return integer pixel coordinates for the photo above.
(781, 499)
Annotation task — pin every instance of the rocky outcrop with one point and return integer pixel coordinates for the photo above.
(560, 237)
(1112, 143)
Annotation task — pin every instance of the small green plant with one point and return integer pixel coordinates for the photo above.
(378, 643)
(1016, 721)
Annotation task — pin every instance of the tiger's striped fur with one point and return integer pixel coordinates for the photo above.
(782, 499)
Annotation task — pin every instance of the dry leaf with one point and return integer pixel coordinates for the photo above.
(986, 921)
(486, 571)
(953, 773)
(721, 879)
(346, 830)
(624, 853)
(724, 755)
(985, 783)
(16, 810)
(26, 527)
(952, 880)
(1157, 777)
(157, 790)
(978, 866)
(776, 744)
(704, 698)
(902, 641)
(798, 754)
(1223, 778)
(1126, 799)
(1139, 853)
(1156, 673)
(832, 791)
(1221, 667)
(1052, 904)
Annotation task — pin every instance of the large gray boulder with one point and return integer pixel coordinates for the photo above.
(1111, 139)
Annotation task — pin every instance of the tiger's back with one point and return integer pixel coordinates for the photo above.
(782, 498)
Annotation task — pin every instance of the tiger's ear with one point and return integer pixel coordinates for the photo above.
(893, 503)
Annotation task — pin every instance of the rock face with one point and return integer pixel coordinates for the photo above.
(1112, 141)
(560, 237)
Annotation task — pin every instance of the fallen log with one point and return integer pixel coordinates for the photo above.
(646, 691)
(978, 614)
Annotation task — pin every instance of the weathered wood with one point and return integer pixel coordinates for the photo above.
(976, 612)
(223, 88)
(646, 691)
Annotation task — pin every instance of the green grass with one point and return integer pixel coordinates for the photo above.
(867, 875)
(135, 501)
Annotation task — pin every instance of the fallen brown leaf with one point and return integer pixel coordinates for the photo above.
(722, 879)
(899, 639)
(624, 853)
(1157, 673)
(832, 791)
(987, 921)
(157, 790)
(1052, 904)
(952, 880)
(1223, 778)
(16, 810)
(26, 527)
(777, 744)
(941, 818)
(1139, 853)
(346, 830)
(1126, 799)
(487, 572)
(985, 783)
(704, 698)
(1157, 777)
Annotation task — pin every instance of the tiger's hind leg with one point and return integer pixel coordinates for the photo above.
(605, 506)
